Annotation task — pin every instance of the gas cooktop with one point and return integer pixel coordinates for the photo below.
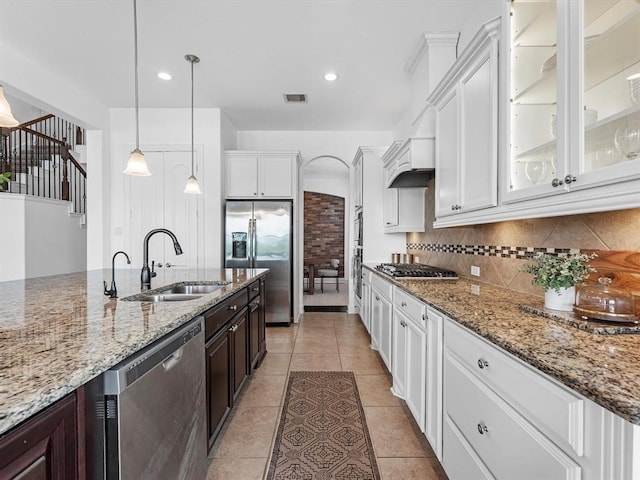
(416, 270)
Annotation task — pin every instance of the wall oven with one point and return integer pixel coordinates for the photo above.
(357, 257)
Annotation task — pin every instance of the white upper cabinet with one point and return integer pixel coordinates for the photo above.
(261, 174)
(403, 209)
(574, 112)
(466, 102)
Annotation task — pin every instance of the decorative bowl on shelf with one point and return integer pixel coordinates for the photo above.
(627, 140)
(535, 170)
(606, 155)
(634, 88)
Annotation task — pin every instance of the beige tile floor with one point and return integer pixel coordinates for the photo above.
(321, 341)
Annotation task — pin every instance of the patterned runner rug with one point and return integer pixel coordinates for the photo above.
(322, 433)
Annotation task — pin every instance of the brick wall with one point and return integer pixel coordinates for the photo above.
(323, 229)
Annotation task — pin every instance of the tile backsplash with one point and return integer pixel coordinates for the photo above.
(501, 249)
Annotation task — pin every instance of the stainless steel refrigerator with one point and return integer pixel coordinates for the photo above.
(259, 234)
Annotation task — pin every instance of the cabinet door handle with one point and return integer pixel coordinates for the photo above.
(233, 328)
(482, 363)
(377, 298)
(425, 317)
(556, 182)
(232, 307)
(255, 289)
(403, 304)
(255, 193)
(570, 179)
(482, 428)
(262, 193)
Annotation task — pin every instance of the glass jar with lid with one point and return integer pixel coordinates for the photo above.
(604, 302)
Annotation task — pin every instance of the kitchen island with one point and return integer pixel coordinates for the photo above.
(60, 332)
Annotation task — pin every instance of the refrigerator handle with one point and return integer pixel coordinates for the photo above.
(250, 246)
(254, 244)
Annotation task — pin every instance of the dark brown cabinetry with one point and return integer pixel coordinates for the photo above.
(44, 448)
(235, 345)
(257, 340)
(219, 399)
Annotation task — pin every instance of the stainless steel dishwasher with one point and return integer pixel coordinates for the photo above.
(155, 410)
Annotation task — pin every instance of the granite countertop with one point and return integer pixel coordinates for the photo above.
(59, 332)
(603, 368)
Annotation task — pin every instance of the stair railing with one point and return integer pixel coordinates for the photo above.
(41, 164)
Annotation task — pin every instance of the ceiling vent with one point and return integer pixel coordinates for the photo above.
(295, 98)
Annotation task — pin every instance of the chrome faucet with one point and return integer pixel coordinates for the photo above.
(113, 292)
(147, 274)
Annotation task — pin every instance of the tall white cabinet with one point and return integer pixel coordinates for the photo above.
(466, 103)
(368, 187)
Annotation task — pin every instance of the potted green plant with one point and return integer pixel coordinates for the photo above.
(4, 178)
(558, 275)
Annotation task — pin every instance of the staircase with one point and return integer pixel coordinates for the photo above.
(44, 163)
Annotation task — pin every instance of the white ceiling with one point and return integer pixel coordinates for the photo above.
(251, 51)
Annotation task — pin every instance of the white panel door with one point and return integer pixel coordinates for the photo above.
(275, 177)
(447, 170)
(400, 366)
(159, 201)
(416, 354)
(241, 176)
(479, 136)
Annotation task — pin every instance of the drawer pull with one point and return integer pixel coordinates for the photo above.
(403, 304)
(482, 363)
(232, 307)
(233, 328)
(256, 289)
(482, 428)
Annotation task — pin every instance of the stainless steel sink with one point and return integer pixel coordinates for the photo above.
(176, 293)
(165, 297)
(192, 289)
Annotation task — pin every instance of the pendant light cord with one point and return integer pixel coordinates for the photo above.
(135, 61)
(192, 141)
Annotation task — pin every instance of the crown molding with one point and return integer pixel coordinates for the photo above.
(430, 39)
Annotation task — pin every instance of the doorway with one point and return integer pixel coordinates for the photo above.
(325, 244)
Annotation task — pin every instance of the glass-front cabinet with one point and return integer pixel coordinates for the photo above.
(574, 107)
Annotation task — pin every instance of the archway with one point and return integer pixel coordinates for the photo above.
(325, 194)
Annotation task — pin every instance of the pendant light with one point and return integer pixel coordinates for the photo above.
(6, 117)
(136, 165)
(192, 183)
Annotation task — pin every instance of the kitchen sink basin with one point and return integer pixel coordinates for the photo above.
(191, 289)
(165, 297)
(177, 293)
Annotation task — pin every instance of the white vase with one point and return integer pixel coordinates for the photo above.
(562, 301)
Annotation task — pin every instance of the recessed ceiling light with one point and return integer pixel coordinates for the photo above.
(330, 77)
(164, 76)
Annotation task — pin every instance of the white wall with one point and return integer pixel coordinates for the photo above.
(312, 144)
(40, 238)
(28, 81)
(170, 127)
(480, 14)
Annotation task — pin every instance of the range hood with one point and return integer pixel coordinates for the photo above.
(410, 164)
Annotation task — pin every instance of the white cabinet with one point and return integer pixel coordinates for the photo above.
(433, 404)
(365, 309)
(503, 419)
(382, 318)
(409, 353)
(466, 102)
(378, 243)
(572, 113)
(403, 209)
(261, 174)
